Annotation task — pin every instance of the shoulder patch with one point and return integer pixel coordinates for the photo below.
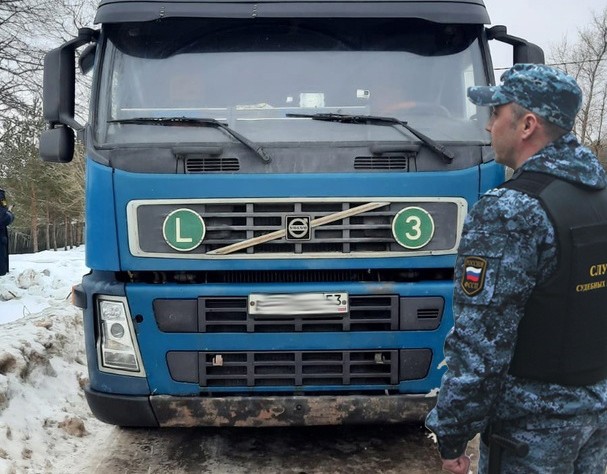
(473, 276)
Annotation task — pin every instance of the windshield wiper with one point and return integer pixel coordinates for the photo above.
(197, 122)
(387, 121)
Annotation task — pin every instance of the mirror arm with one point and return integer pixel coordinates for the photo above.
(524, 51)
(500, 33)
(85, 35)
(67, 121)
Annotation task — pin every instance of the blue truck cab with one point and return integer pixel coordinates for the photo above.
(275, 193)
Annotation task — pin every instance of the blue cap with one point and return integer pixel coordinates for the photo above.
(544, 90)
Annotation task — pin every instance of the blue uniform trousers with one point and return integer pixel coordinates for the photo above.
(557, 445)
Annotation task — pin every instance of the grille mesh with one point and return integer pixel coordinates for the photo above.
(296, 368)
(211, 164)
(396, 162)
(367, 313)
(264, 229)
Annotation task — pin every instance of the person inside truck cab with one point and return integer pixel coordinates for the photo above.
(395, 100)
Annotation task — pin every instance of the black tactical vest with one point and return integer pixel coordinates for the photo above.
(562, 337)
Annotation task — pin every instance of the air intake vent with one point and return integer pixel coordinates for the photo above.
(429, 313)
(394, 162)
(229, 314)
(211, 164)
(279, 368)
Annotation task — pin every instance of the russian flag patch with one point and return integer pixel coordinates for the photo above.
(473, 278)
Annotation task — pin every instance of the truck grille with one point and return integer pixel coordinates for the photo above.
(367, 313)
(229, 314)
(231, 221)
(297, 368)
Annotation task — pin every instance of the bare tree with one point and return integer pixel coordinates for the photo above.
(46, 196)
(586, 60)
(29, 28)
(20, 60)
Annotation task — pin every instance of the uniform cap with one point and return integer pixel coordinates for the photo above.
(545, 91)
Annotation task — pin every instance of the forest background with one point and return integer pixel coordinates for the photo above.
(48, 199)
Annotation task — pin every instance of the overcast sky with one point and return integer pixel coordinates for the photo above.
(543, 22)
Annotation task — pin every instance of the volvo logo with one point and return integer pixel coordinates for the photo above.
(298, 228)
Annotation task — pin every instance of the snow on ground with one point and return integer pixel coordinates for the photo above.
(43, 414)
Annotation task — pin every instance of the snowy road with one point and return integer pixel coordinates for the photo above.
(351, 450)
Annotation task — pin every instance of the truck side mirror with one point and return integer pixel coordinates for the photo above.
(59, 86)
(57, 145)
(528, 53)
(523, 51)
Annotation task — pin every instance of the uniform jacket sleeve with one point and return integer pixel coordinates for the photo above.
(498, 264)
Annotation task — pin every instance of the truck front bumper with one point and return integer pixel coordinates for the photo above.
(257, 411)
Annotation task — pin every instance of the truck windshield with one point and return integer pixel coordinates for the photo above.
(254, 75)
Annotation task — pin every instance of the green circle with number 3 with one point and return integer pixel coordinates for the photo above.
(413, 227)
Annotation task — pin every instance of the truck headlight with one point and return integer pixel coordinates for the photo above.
(117, 346)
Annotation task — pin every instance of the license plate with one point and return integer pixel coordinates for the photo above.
(260, 304)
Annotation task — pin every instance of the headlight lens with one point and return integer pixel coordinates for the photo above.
(118, 350)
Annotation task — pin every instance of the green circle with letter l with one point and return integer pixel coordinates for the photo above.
(183, 230)
(413, 227)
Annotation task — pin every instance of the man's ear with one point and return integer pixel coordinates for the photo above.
(530, 125)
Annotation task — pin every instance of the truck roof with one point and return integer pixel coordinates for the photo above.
(440, 11)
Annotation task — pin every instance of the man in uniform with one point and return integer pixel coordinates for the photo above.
(527, 357)
(6, 218)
